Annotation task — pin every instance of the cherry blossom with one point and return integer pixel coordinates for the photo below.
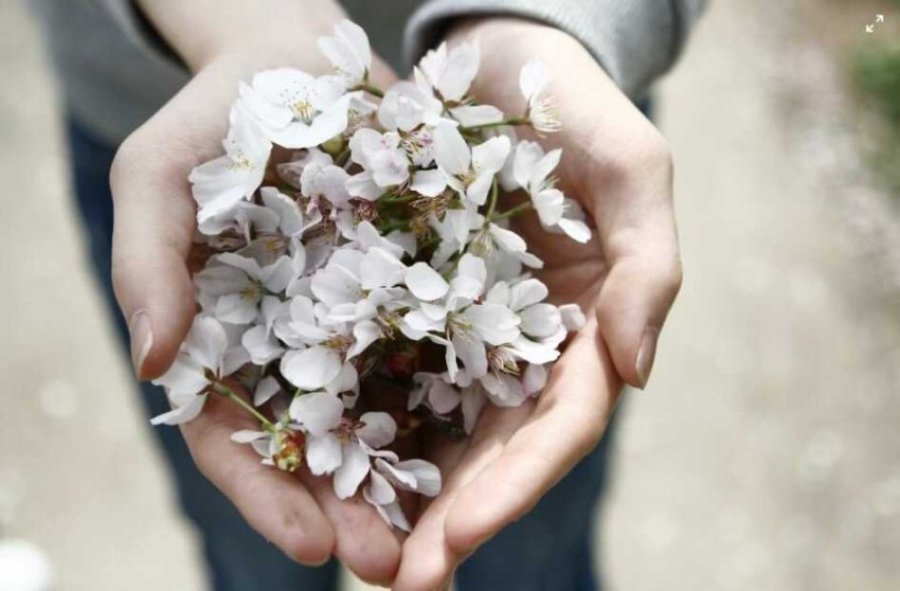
(541, 108)
(348, 51)
(375, 243)
(449, 72)
(295, 109)
(531, 171)
(201, 359)
(220, 184)
(469, 171)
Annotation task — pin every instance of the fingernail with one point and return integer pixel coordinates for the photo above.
(646, 354)
(141, 339)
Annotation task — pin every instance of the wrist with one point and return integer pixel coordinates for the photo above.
(511, 32)
(204, 31)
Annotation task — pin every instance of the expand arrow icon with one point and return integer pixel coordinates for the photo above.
(879, 18)
(870, 28)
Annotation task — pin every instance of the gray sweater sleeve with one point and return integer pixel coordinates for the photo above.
(635, 41)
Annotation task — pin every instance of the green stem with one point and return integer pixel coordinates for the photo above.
(392, 225)
(501, 123)
(513, 211)
(223, 390)
(373, 90)
(389, 199)
(492, 205)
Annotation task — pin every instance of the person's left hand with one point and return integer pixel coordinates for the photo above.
(616, 165)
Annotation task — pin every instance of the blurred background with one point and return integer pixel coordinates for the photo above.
(765, 453)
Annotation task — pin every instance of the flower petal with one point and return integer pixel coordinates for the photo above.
(380, 268)
(425, 283)
(236, 308)
(181, 414)
(354, 468)
(380, 490)
(248, 436)
(364, 334)
(442, 397)
(503, 390)
(534, 378)
(429, 182)
(527, 292)
(323, 454)
(311, 369)
(378, 430)
(451, 152)
(577, 230)
(318, 412)
(494, 323)
(265, 390)
(540, 320)
(572, 317)
(472, 353)
(491, 154)
(549, 206)
(261, 346)
(427, 476)
(206, 342)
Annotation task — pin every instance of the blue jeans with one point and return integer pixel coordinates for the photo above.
(550, 549)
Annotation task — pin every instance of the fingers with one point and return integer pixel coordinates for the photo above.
(567, 423)
(364, 543)
(636, 226)
(643, 279)
(154, 221)
(428, 560)
(154, 215)
(274, 503)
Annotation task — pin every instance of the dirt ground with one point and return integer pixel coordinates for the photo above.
(764, 455)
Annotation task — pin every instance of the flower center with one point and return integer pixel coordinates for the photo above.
(289, 446)
(239, 160)
(303, 110)
(502, 360)
(339, 342)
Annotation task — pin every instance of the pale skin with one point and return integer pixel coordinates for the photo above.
(615, 164)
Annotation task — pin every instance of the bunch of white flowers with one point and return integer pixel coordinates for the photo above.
(357, 239)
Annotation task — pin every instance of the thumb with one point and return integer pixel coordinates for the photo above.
(632, 307)
(152, 231)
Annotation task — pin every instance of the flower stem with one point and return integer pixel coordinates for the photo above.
(373, 90)
(221, 389)
(492, 204)
(389, 198)
(391, 225)
(514, 211)
(501, 123)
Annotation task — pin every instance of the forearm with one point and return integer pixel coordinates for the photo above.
(635, 41)
(202, 30)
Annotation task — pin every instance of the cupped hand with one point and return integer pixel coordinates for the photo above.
(616, 165)
(153, 230)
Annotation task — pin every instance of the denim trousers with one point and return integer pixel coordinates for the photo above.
(550, 549)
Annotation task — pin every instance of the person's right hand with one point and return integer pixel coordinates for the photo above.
(153, 229)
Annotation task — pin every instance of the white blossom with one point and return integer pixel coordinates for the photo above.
(469, 171)
(449, 72)
(337, 445)
(541, 108)
(232, 286)
(220, 184)
(348, 51)
(383, 160)
(382, 235)
(531, 170)
(202, 357)
(295, 109)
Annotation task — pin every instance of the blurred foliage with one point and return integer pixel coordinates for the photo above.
(876, 71)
